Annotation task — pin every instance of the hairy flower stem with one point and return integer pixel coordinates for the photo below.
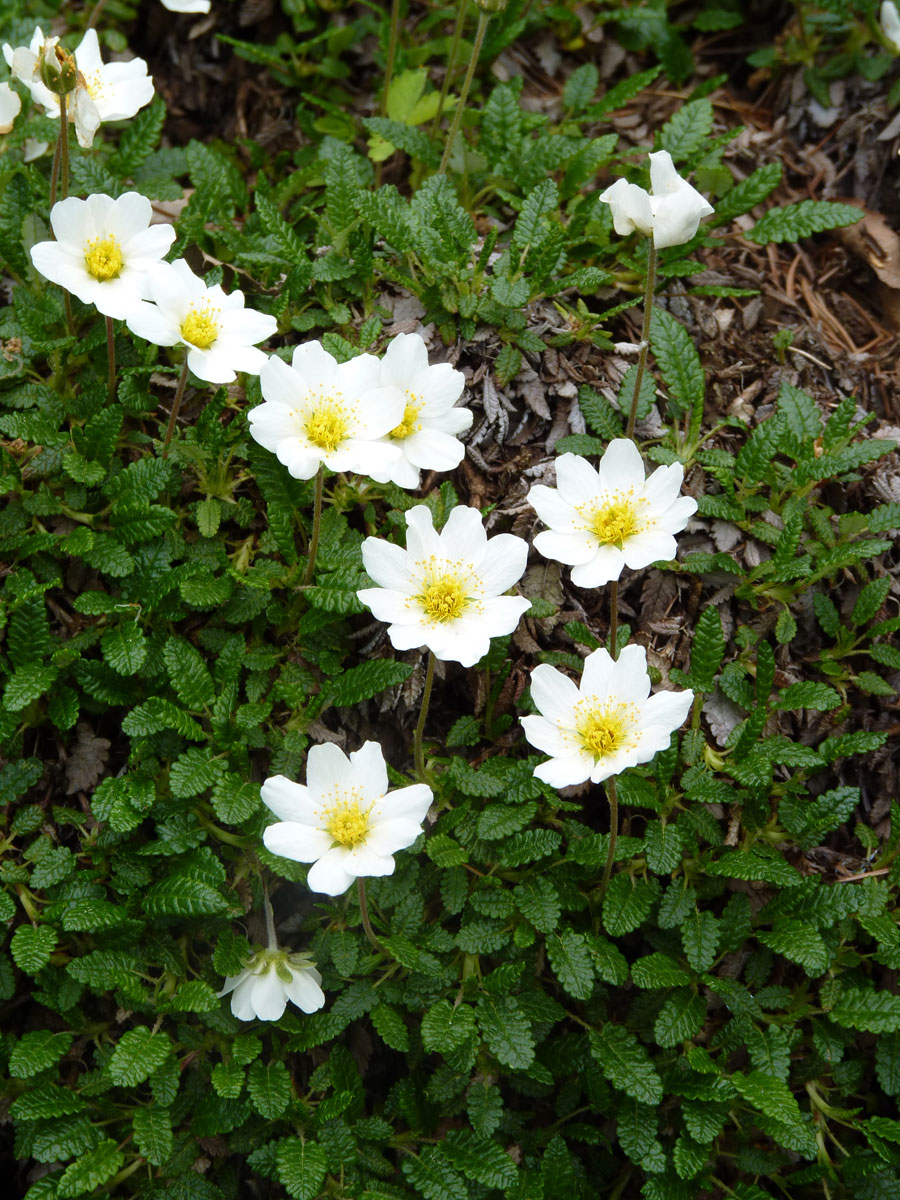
(614, 618)
(613, 834)
(271, 936)
(317, 521)
(645, 335)
(95, 15)
(364, 913)
(60, 175)
(111, 359)
(176, 405)
(464, 94)
(451, 65)
(418, 752)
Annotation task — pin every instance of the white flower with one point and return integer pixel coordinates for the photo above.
(606, 519)
(604, 725)
(318, 411)
(216, 328)
(890, 24)
(426, 436)
(444, 591)
(104, 91)
(103, 250)
(344, 821)
(10, 107)
(271, 978)
(671, 212)
(186, 6)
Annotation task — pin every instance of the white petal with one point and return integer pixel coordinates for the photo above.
(404, 358)
(289, 801)
(380, 410)
(10, 107)
(385, 563)
(369, 770)
(408, 803)
(388, 605)
(327, 770)
(576, 479)
(434, 450)
(621, 466)
(304, 991)
(407, 637)
(573, 549)
(667, 709)
(552, 509)
(599, 671)
(603, 568)
(502, 614)
(153, 325)
(268, 997)
(421, 540)
(463, 537)
(564, 772)
(630, 206)
(299, 843)
(503, 564)
(890, 23)
(329, 874)
(548, 737)
(554, 694)
(281, 384)
(642, 549)
(242, 999)
(314, 365)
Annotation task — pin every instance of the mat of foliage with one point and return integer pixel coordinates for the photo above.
(726, 1023)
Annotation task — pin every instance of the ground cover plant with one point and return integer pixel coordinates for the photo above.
(448, 672)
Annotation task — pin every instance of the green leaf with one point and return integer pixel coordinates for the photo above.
(538, 903)
(678, 361)
(747, 194)
(799, 942)
(188, 674)
(707, 650)
(433, 1177)
(507, 1031)
(684, 135)
(658, 971)
(484, 1106)
(479, 1158)
(138, 1053)
(572, 964)
(35, 1052)
(26, 684)
(368, 679)
(301, 1167)
(869, 600)
(887, 1063)
(31, 947)
(184, 896)
(580, 87)
(46, 1102)
(663, 846)
(153, 1134)
(680, 1018)
(816, 696)
(540, 202)
(625, 1064)
(269, 1085)
(124, 648)
(700, 938)
(445, 1028)
(626, 905)
(770, 1096)
(801, 220)
(91, 1170)
(157, 714)
(862, 1008)
(228, 1079)
(391, 1027)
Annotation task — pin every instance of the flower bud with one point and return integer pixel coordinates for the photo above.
(57, 68)
(491, 6)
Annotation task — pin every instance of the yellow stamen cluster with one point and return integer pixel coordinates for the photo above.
(200, 327)
(93, 84)
(444, 599)
(612, 523)
(409, 425)
(103, 259)
(348, 824)
(603, 731)
(327, 426)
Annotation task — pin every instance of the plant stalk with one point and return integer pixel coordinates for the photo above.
(464, 94)
(614, 618)
(451, 65)
(645, 336)
(176, 405)
(60, 173)
(271, 935)
(613, 834)
(364, 913)
(418, 752)
(393, 38)
(317, 521)
(111, 359)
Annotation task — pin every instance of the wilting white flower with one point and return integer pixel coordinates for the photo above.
(103, 91)
(216, 328)
(444, 591)
(186, 6)
(10, 107)
(270, 979)
(608, 723)
(671, 212)
(426, 436)
(890, 24)
(344, 821)
(318, 411)
(605, 519)
(103, 250)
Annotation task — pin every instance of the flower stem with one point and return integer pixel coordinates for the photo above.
(451, 65)
(317, 521)
(63, 147)
(271, 936)
(464, 94)
(364, 913)
(645, 335)
(111, 359)
(95, 15)
(614, 618)
(176, 405)
(418, 752)
(613, 834)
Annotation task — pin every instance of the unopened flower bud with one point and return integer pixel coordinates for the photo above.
(491, 6)
(57, 68)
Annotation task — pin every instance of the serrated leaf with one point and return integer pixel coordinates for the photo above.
(802, 219)
(124, 648)
(538, 903)
(35, 1052)
(572, 964)
(681, 1016)
(700, 938)
(269, 1086)
(184, 896)
(31, 947)
(391, 1027)
(663, 846)
(771, 1096)
(301, 1167)
(625, 1064)
(153, 1134)
(707, 650)
(816, 696)
(484, 1105)
(91, 1170)
(678, 361)
(157, 714)
(188, 674)
(479, 1158)
(433, 1177)
(445, 1028)
(626, 905)
(138, 1053)
(367, 679)
(540, 202)
(747, 194)
(507, 1031)
(687, 130)
(862, 1008)
(658, 971)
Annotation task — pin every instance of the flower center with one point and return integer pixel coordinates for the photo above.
(445, 599)
(409, 425)
(348, 824)
(103, 259)
(327, 426)
(200, 327)
(94, 85)
(612, 523)
(603, 731)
